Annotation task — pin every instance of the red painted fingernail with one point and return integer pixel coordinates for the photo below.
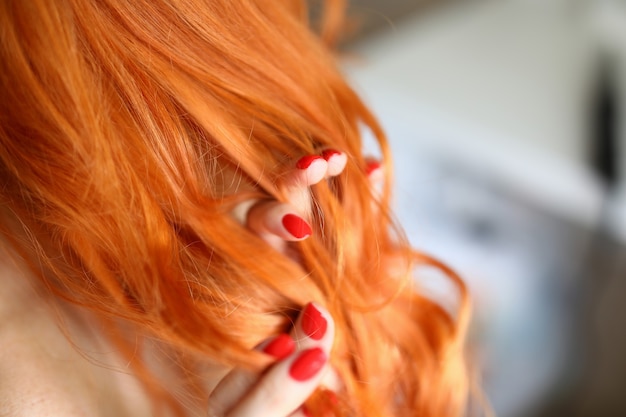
(371, 167)
(305, 411)
(281, 347)
(313, 323)
(309, 363)
(329, 153)
(296, 226)
(306, 161)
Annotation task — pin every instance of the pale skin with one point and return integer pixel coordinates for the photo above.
(42, 373)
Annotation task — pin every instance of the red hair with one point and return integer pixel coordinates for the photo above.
(118, 119)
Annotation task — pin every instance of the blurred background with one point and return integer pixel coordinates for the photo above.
(508, 123)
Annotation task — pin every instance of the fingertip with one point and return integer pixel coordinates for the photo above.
(278, 220)
(313, 323)
(314, 327)
(308, 364)
(329, 153)
(374, 171)
(280, 347)
(310, 170)
(296, 226)
(306, 161)
(336, 161)
(372, 166)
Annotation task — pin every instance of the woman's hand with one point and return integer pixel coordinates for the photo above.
(302, 355)
(280, 391)
(278, 223)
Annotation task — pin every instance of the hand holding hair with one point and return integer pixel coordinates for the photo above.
(278, 222)
(280, 391)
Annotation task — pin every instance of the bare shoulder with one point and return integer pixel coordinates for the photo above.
(41, 371)
(33, 362)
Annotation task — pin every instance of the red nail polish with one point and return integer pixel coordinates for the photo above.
(313, 323)
(329, 153)
(305, 411)
(308, 364)
(306, 161)
(296, 226)
(281, 347)
(371, 167)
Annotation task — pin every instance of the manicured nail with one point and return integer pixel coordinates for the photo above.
(313, 323)
(296, 226)
(281, 347)
(329, 153)
(306, 161)
(309, 363)
(371, 167)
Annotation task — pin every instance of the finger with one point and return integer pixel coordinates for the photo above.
(288, 383)
(267, 218)
(309, 170)
(278, 219)
(331, 380)
(374, 172)
(278, 223)
(314, 327)
(285, 387)
(336, 161)
(230, 389)
(237, 383)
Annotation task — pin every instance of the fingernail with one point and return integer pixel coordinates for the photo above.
(371, 167)
(305, 411)
(313, 323)
(329, 153)
(306, 161)
(308, 364)
(281, 347)
(296, 226)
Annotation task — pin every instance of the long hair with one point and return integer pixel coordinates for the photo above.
(125, 127)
